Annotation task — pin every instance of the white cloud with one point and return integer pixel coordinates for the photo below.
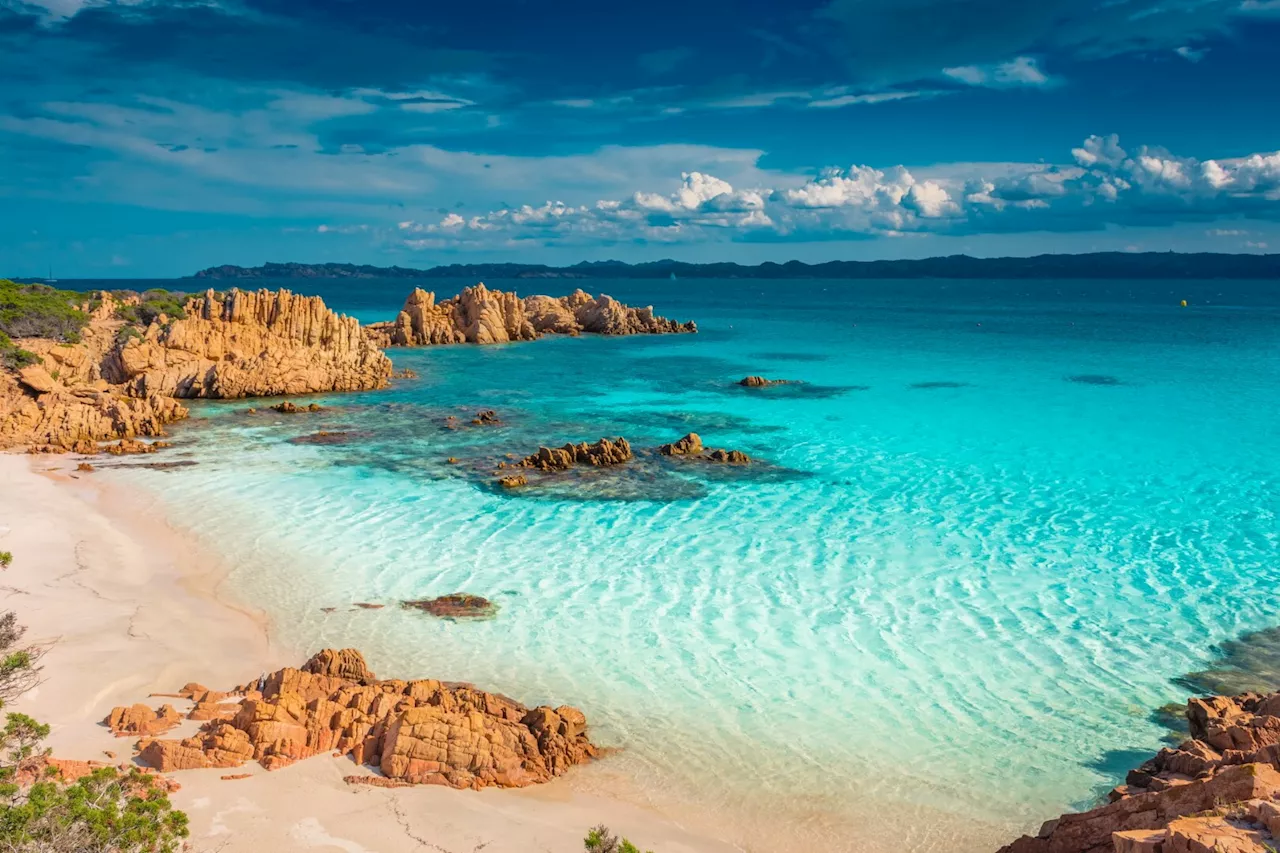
(1021, 71)
(1106, 184)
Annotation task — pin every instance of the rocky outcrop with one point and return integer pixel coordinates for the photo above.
(422, 732)
(119, 383)
(1214, 792)
(138, 720)
(457, 605)
(243, 344)
(601, 454)
(288, 408)
(761, 382)
(690, 447)
(479, 315)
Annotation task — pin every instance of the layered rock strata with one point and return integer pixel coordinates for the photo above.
(1218, 791)
(479, 315)
(422, 732)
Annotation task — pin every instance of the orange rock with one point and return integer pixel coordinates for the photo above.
(414, 731)
(603, 453)
(140, 720)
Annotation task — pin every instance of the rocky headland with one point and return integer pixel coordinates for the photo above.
(115, 379)
(416, 732)
(1217, 792)
(479, 315)
(117, 365)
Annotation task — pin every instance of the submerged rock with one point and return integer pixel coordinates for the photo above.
(324, 437)
(288, 408)
(422, 732)
(488, 417)
(128, 446)
(457, 605)
(513, 481)
(761, 382)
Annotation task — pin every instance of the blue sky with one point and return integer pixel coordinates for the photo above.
(156, 137)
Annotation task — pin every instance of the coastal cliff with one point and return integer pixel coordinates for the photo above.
(1218, 791)
(110, 376)
(479, 315)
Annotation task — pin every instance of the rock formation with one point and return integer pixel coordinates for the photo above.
(243, 344)
(117, 383)
(1214, 792)
(513, 481)
(457, 605)
(690, 447)
(421, 731)
(140, 720)
(603, 453)
(479, 315)
(761, 382)
(288, 408)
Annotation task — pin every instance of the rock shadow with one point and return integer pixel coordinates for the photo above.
(1094, 379)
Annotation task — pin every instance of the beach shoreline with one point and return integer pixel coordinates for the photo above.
(130, 606)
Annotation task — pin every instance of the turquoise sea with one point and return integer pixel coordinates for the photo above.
(989, 529)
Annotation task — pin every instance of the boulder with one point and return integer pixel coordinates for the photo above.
(139, 720)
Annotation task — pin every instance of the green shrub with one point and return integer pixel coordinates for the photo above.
(601, 840)
(104, 812)
(13, 356)
(6, 559)
(40, 311)
(154, 303)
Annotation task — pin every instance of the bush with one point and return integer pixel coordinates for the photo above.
(104, 812)
(601, 840)
(154, 303)
(40, 311)
(19, 664)
(14, 357)
(6, 559)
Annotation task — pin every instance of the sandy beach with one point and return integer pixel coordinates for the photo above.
(129, 607)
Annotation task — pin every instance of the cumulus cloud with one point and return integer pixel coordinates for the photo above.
(1106, 184)
(1022, 71)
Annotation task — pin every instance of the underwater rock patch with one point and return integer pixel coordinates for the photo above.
(456, 605)
(1094, 379)
(1249, 663)
(325, 437)
(288, 408)
(927, 386)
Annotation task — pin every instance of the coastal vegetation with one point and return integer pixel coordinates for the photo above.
(151, 305)
(105, 810)
(6, 559)
(40, 311)
(601, 840)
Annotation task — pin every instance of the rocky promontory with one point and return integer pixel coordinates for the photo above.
(418, 732)
(479, 315)
(118, 378)
(246, 344)
(1218, 792)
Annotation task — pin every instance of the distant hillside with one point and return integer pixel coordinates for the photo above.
(1163, 265)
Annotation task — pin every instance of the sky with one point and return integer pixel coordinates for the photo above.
(152, 138)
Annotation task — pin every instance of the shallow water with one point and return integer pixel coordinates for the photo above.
(989, 528)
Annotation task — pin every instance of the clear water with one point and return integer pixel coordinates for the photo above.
(941, 612)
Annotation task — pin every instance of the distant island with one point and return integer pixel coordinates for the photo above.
(1097, 265)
